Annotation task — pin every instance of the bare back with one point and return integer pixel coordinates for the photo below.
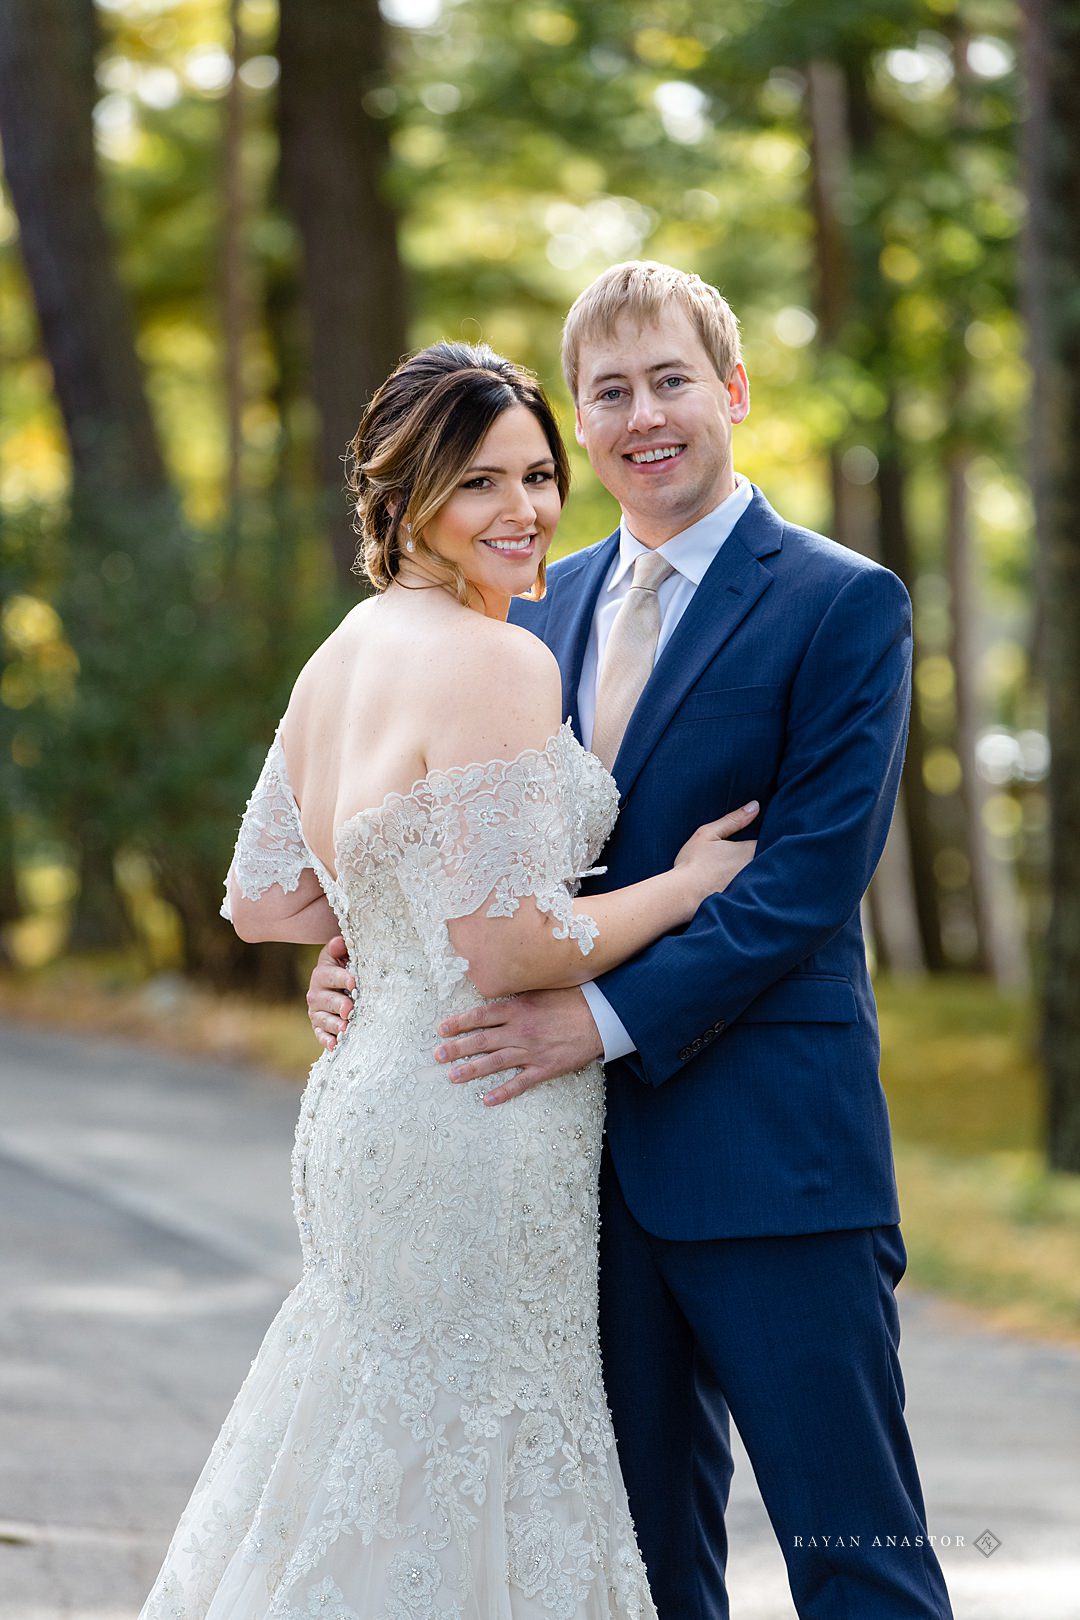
(409, 681)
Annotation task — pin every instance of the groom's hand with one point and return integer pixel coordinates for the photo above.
(329, 997)
(544, 1033)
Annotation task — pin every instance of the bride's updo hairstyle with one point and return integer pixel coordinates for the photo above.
(421, 431)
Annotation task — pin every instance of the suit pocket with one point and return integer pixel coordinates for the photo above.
(722, 702)
(805, 999)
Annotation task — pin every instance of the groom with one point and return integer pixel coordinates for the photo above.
(749, 1238)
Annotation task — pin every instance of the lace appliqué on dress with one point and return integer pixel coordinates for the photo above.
(270, 845)
(491, 835)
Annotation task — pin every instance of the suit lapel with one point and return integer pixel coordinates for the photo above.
(735, 579)
(570, 616)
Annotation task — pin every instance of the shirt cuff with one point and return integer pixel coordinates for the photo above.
(609, 1026)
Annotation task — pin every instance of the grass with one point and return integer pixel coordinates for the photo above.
(984, 1221)
(959, 1065)
(998, 1232)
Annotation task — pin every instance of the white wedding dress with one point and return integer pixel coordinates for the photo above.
(423, 1434)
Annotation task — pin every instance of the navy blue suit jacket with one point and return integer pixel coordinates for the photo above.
(753, 1106)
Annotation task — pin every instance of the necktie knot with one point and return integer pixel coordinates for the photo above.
(650, 572)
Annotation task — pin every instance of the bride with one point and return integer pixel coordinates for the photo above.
(423, 1434)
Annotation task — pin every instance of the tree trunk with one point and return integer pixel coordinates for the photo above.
(962, 654)
(334, 157)
(283, 321)
(1051, 154)
(890, 902)
(896, 554)
(46, 106)
(893, 920)
(995, 904)
(233, 278)
(99, 922)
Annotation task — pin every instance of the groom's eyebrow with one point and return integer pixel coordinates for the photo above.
(661, 365)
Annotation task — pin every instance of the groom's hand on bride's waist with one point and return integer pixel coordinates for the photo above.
(543, 1033)
(329, 997)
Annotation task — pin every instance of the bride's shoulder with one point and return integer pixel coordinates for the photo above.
(514, 648)
(500, 693)
(508, 661)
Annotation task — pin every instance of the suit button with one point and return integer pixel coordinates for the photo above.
(684, 1054)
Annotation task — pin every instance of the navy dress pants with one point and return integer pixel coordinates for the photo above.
(797, 1337)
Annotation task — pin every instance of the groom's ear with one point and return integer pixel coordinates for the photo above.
(738, 390)
(579, 432)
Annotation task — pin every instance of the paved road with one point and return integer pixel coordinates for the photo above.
(147, 1243)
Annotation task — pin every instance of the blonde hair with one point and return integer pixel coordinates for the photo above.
(421, 431)
(640, 290)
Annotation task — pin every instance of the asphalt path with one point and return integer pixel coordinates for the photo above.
(147, 1241)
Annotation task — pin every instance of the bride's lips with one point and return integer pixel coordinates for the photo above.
(511, 545)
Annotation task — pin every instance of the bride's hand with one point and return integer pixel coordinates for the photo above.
(710, 859)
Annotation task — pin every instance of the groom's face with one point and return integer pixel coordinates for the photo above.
(656, 422)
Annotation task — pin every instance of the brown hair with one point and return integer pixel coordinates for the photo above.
(641, 289)
(418, 435)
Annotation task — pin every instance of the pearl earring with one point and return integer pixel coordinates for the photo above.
(410, 543)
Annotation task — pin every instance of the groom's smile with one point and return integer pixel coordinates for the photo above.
(654, 458)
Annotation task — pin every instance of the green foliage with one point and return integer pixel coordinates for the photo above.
(532, 145)
(139, 706)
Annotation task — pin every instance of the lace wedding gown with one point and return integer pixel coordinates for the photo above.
(423, 1434)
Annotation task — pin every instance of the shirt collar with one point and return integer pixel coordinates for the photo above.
(690, 552)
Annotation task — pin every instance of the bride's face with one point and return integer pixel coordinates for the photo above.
(499, 522)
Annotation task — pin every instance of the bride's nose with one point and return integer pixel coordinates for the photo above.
(520, 507)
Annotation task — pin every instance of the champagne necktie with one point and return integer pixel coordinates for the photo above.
(628, 656)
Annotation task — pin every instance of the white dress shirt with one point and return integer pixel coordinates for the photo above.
(690, 554)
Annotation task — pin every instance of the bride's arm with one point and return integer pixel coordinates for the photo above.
(301, 917)
(523, 951)
(507, 955)
(271, 890)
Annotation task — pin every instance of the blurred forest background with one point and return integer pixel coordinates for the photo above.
(222, 223)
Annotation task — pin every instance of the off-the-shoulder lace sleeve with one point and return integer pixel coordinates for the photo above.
(494, 834)
(270, 846)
